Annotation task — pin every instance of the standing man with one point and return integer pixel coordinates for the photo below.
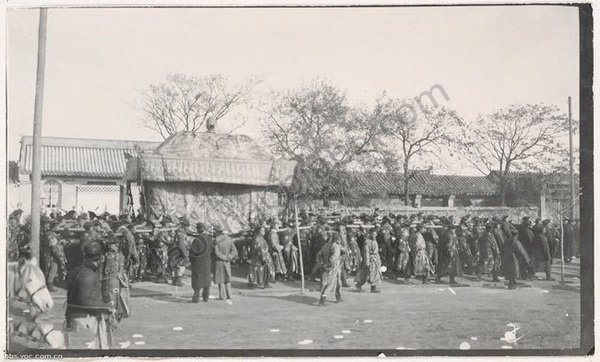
(178, 254)
(384, 240)
(449, 256)
(200, 254)
(115, 282)
(276, 250)
(53, 254)
(370, 268)
(225, 251)
(569, 235)
(160, 250)
(542, 256)
(87, 313)
(128, 245)
(489, 257)
(331, 269)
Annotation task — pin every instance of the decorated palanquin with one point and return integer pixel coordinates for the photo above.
(215, 178)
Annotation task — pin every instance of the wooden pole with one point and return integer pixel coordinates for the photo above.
(36, 169)
(571, 161)
(299, 246)
(562, 248)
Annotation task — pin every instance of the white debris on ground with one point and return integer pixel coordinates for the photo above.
(140, 343)
(368, 321)
(338, 336)
(274, 330)
(473, 338)
(177, 328)
(346, 331)
(305, 341)
(451, 290)
(381, 355)
(506, 347)
(137, 336)
(400, 347)
(464, 345)
(124, 344)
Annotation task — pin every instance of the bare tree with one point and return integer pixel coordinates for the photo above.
(186, 103)
(415, 134)
(519, 137)
(315, 126)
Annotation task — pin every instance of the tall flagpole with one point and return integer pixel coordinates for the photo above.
(36, 169)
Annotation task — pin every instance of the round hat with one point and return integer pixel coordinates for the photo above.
(93, 249)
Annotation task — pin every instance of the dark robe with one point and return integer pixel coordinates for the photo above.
(200, 252)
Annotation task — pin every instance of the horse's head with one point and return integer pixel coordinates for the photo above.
(30, 286)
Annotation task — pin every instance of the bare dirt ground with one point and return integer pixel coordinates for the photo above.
(402, 316)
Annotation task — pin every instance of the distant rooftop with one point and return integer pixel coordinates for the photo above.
(81, 157)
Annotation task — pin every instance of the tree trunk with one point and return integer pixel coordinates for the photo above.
(502, 191)
(406, 180)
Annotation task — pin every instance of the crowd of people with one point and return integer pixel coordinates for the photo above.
(97, 257)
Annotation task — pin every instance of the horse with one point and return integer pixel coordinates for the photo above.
(26, 284)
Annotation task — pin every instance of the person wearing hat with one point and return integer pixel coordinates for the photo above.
(141, 246)
(87, 312)
(115, 281)
(261, 264)
(16, 234)
(330, 255)
(200, 254)
(53, 259)
(542, 257)
(128, 246)
(526, 234)
(369, 270)
(162, 241)
(513, 257)
(402, 253)
(225, 252)
(178, 254)
(276, 250)
(498, 234)
(449, 256)
(384, 241)
(489, 255)
(421, 264)
(466, 257)
(568, 238)
(319, 238)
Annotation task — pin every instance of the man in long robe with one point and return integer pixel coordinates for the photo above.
(200, 254)
(178, 253)
(489, 255)
(225, 252)
(276, 250)
(370, 268)
(402, 257)
(449, 260)
(53, 256)
(421, 265)
(542, 257)
(331, 254)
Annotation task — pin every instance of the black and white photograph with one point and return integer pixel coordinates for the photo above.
(298, 181)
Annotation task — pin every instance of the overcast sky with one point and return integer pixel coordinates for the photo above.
(97, 59)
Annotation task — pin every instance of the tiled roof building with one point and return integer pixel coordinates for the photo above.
(77, 173)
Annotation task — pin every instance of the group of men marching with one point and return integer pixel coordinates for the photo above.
(111, 252)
